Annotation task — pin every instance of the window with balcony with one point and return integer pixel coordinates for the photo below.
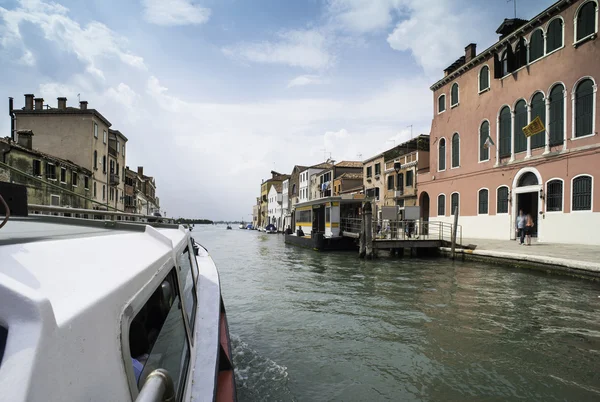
(584, 108)
(505, 123)
(536, 45)
(520, 121)
(557, 115)
(554, 195)
(441, 210)
(586, 21)
(554, 35)
(502, 200)
(582, 193)
(538, 109)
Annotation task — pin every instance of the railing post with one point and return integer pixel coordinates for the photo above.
(454, 228)
(368, 214)
(362, 238)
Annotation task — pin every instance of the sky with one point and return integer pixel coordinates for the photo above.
(214, 94)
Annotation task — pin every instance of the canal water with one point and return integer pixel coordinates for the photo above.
(309, 326)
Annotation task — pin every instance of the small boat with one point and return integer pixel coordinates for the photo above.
(228, 227)
(142, 320)
(249, 227)
(271, 229)
(242, 226)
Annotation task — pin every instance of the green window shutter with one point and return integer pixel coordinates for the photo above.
(483, 201)
(538, 108)
(484, 78)
(505, 122)
(536, 46)
(586, 20)
(584, 108)
(520, 122)
(454, 94)
(554, 35)
(454, 204)
(484, 132)
(502, 200)
(441, 205)
(442, 154)
(557, 117)
(390, 181)
(455, 150)
(441, 103)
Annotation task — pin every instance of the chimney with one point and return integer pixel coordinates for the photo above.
(83, 105)
(140, 171)
(62, 103)
(29, 101)
(39, 103)
(25, 138)
(470, 52)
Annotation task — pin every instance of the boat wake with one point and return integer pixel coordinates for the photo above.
(258, 378)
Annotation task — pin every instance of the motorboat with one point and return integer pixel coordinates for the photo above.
(97, 310)
(229, 227)
(270, 228)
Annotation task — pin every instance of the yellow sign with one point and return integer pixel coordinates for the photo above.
(533, 128)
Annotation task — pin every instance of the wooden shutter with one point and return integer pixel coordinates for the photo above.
(538, 108)
(557, 117)
(584, 103)
(497, 66)
(511, 59)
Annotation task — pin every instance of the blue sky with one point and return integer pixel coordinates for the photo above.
(213, 94)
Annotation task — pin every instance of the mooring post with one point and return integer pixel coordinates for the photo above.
(361, 238)
(368, 214)
(454, 228)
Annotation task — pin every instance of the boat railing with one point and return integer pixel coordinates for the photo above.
(96, 214)
(157, 388)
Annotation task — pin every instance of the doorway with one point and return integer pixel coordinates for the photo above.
(319, 219)
(528, 202)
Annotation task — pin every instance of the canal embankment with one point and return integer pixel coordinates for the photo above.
(566, 259)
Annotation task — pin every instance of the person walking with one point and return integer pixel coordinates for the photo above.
(521, 220)
(528, 228)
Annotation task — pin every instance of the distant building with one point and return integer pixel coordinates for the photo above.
(49, 180)
(274, 206)
(348, 183)
(131, 190)
(265, 187)
(147, 201)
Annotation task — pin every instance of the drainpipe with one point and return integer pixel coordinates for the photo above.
(12, 118)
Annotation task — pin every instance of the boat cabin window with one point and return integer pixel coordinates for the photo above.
(188, 275)
(157, 336)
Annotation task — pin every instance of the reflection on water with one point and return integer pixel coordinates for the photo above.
(311, 326)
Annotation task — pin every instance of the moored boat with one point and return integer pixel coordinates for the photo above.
(110, 311)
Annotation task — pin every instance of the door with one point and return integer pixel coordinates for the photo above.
(528, 202)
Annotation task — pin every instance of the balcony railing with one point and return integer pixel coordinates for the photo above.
(114, 179)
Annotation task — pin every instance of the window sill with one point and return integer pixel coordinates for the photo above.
(484, 161)
(585, 39)
(440, 171)
(51, 179)
(63, 182)
(478, 214)
(455, 167)
(441, 111)
(501, 213)
(582, 137)
(554, 212)
(455, 105)
(587, 211)
(484, 90)
(533, 62)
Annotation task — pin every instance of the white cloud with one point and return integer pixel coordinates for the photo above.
(174, 12)
(436, 36)
(303, 80)
(123, 95)
(90, 44)
(363, 16)
(297, 48)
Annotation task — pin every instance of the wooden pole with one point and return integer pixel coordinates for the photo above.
(454, 228)
(368, 214)
(361, 239)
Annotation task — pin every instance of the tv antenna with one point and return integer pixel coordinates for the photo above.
(515, 3)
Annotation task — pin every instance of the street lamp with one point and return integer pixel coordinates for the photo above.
(397, 167)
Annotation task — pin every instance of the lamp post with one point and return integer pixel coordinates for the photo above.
(397, 167)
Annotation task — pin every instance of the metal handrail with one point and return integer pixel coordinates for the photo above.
(93, 212)
(158, 387)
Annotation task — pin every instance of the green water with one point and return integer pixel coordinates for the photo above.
(310, 326)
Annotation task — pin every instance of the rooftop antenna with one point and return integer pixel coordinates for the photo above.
(515, 4)
(78, 97)
(359, 156)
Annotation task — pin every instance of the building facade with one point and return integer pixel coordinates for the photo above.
(481, 163)
(131, 190)
(374, 182)
(285, 204)
(306, 193)
(49, 180)
(274, 206)
(348, 183)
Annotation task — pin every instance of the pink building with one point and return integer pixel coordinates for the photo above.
(481, 162)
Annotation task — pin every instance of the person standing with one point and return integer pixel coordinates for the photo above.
(528, 228)
(521, 220)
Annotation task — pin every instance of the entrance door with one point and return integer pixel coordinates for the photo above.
(528, 202)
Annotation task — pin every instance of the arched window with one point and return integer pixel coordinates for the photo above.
(584, 108)
(441, 103)
(484, 78)
(586, 20)
(519, 123)
(454, 204)
(455, 150)
(582, 193)
(554, 195)
(441, 205)
(505, 118)
(520, 53)
(484, 133)
(554, 35)
(557, 115)
(294, 188)
(536, 45)
(454, 95)
(95, 159)
(528, 179)
(483, 201)
(442, 155)
(502, 200)
(538, 108)
(504, 63)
